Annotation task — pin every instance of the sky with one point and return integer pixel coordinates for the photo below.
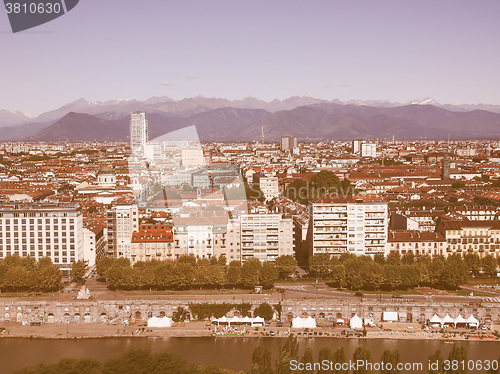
(330, 49)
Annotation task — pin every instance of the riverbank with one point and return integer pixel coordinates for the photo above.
(200, 329)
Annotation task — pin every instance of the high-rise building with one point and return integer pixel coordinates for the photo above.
(353, 224)
(138, 132)
(266, 236)
(288, 143)
(368, 150)
(445, 167)
(123, 220)
(356, 146)
(42, 230)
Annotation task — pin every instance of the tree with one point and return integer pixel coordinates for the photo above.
(390, 359)
(455, 272)
(308, 361)
(202, 272)
(49, 278)
(320, 264)
(289, 352)
(16, 278)
(78, 271)
(183, 275)
(436, 363)
(164, 274)
(458, 353)
(250, 272)
(103, 266)
(325, 354)
(286, 265)
(393, 258)
(268, 275)
(233, 275)
(265, 311)
(473, 263)
(362, 354)
(489, 265)
(261, 361)
(340, 358)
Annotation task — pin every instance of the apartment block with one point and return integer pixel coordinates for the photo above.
(122, 220)
(152, 242)
(354, 224)
(418, 243)
(464, 236)
(266, 236)
(42, 230)
(269, 187)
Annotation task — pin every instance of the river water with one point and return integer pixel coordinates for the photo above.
(227, 352)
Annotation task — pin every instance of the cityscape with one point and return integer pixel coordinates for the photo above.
(234, 187)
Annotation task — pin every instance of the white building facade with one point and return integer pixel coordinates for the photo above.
(38, 231)
(356, 225)
(122, 220)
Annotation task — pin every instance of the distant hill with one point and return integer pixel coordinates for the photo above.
(347, 122)
(325, 121)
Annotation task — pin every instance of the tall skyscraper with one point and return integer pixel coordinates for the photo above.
(138, 132)
(288, 143)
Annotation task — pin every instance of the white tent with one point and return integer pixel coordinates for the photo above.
(435, 320)
(235, 320)
(309, 322)
(356, 322)
(258, 321)
(447, 320)
(460, 320)
(297, 323)
(160, 322)
(247, 320)
(472, 321)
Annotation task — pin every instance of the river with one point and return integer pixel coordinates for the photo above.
(227, 352)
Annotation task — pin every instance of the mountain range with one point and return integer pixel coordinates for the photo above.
(245, 120)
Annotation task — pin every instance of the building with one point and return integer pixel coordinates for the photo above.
(192, 156)
(138, 132)
(464, 236)
(353, 224)
(152, 242)
(418, 243)
(122, 221)
(288, 143)
(94, 242)
(445, 167)
(369, 150)
(42, 230)
(356, 146)
(266, 236)
(269, 187)
(106, 177)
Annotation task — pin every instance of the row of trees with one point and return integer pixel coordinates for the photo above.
(187, 272)
(25, 273)
(289, 361)
(130, 361)
(395, 272)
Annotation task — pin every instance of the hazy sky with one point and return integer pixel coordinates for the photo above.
(372, 49)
